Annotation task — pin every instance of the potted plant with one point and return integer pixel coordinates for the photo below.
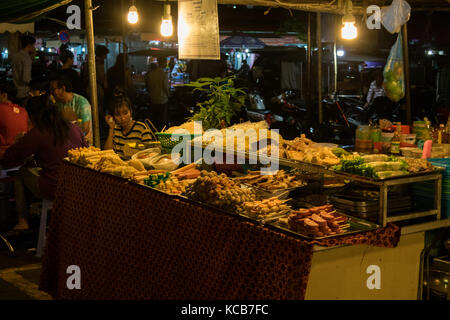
(223, 101)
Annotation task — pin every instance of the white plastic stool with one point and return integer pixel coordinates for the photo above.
(46, 205)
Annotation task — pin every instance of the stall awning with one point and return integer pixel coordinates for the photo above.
(25, 11)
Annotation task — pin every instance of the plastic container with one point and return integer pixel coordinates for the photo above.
(409, 138)
(363, 141)
(405, 129)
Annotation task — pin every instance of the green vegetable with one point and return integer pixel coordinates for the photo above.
(223, 102)
(339, 152)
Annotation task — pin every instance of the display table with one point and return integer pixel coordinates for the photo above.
(133, 242)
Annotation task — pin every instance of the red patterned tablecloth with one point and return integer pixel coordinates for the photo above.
(132, 242)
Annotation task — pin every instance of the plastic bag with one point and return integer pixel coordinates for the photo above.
(396, 15)
(394, 80)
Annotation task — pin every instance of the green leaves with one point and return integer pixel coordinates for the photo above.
(224, 101)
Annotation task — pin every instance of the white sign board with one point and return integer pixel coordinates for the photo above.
(198, 30)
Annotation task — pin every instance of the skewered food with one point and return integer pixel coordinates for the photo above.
(174, 186)
(316, 222)
(280, 180)
(266, 209)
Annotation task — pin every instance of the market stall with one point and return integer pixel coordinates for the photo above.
(147, 227)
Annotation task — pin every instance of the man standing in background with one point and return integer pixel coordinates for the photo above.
(157, 83)
(21, 68)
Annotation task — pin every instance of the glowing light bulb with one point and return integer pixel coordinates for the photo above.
(166, 28)
(133, 16)
(340, 53)
(166, 24)
(349, 31)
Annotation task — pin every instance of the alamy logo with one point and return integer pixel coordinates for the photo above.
(74, 20)
(74, 280)
(373, 17)
(374, 281)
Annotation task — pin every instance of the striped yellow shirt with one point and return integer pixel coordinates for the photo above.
(138, 134)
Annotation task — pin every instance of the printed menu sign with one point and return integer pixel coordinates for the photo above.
(198, 30)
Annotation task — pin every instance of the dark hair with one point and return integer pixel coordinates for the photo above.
(101, 50)
(118, 101)
(9, 88)
(26, 40)
(62, 80)
(65, 55)
(379, 78)
(40, 84)
(162, 61)
(48, 117)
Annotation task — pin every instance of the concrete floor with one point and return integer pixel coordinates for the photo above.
(20, 272)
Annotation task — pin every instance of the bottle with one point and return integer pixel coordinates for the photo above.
(395, 142)
(441, 133)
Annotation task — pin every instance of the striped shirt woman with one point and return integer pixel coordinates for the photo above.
(123, 129)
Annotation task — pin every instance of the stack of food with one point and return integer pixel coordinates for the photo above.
(280, 180)
(378, 166)
(418, 165)
(87, 157)
(304, 149)
(316, 222)
(189, 126)
(266, 209)
(244, 137)
(219, 191)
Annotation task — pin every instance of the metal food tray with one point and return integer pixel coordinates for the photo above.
(371, 205)
(356, 226)
(352, 176)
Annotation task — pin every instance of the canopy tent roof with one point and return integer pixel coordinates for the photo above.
(25, 11)
(337, 6)
(241, 41)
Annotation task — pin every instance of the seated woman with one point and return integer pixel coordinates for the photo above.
(49, 140)
(122, 128)
(13, 118)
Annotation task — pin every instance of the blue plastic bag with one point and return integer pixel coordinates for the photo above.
(394, 78)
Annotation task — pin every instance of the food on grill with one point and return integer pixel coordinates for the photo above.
(280, 180)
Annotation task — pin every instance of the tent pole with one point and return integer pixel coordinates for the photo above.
(92, 71)
(335, 57)
(406, 70)
(124, 48)
(308, 62)
(319, 67)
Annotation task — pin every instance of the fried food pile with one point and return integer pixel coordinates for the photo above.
(266, 209)
(304, 149)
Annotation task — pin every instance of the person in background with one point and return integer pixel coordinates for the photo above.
(75, 108)
(122, 128)
(101, 52)
(21, 68)
(119, 76)
(67, 59)
(39, 67)
(157, 84)
(49, 140)
(13, 118)
(376, 88)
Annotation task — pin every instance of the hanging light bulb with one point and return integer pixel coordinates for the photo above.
(349, 30)
(133, 16)
(166, 24)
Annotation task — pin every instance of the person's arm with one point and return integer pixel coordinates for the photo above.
(86, 117)
(370, 94)
(109, 141)
(25, 147)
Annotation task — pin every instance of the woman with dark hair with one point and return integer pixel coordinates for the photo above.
(122, 128)
(49, 140)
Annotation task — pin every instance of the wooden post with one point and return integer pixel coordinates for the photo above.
(92, 72)
(319, 66)
(124, 48)
(406, 73)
